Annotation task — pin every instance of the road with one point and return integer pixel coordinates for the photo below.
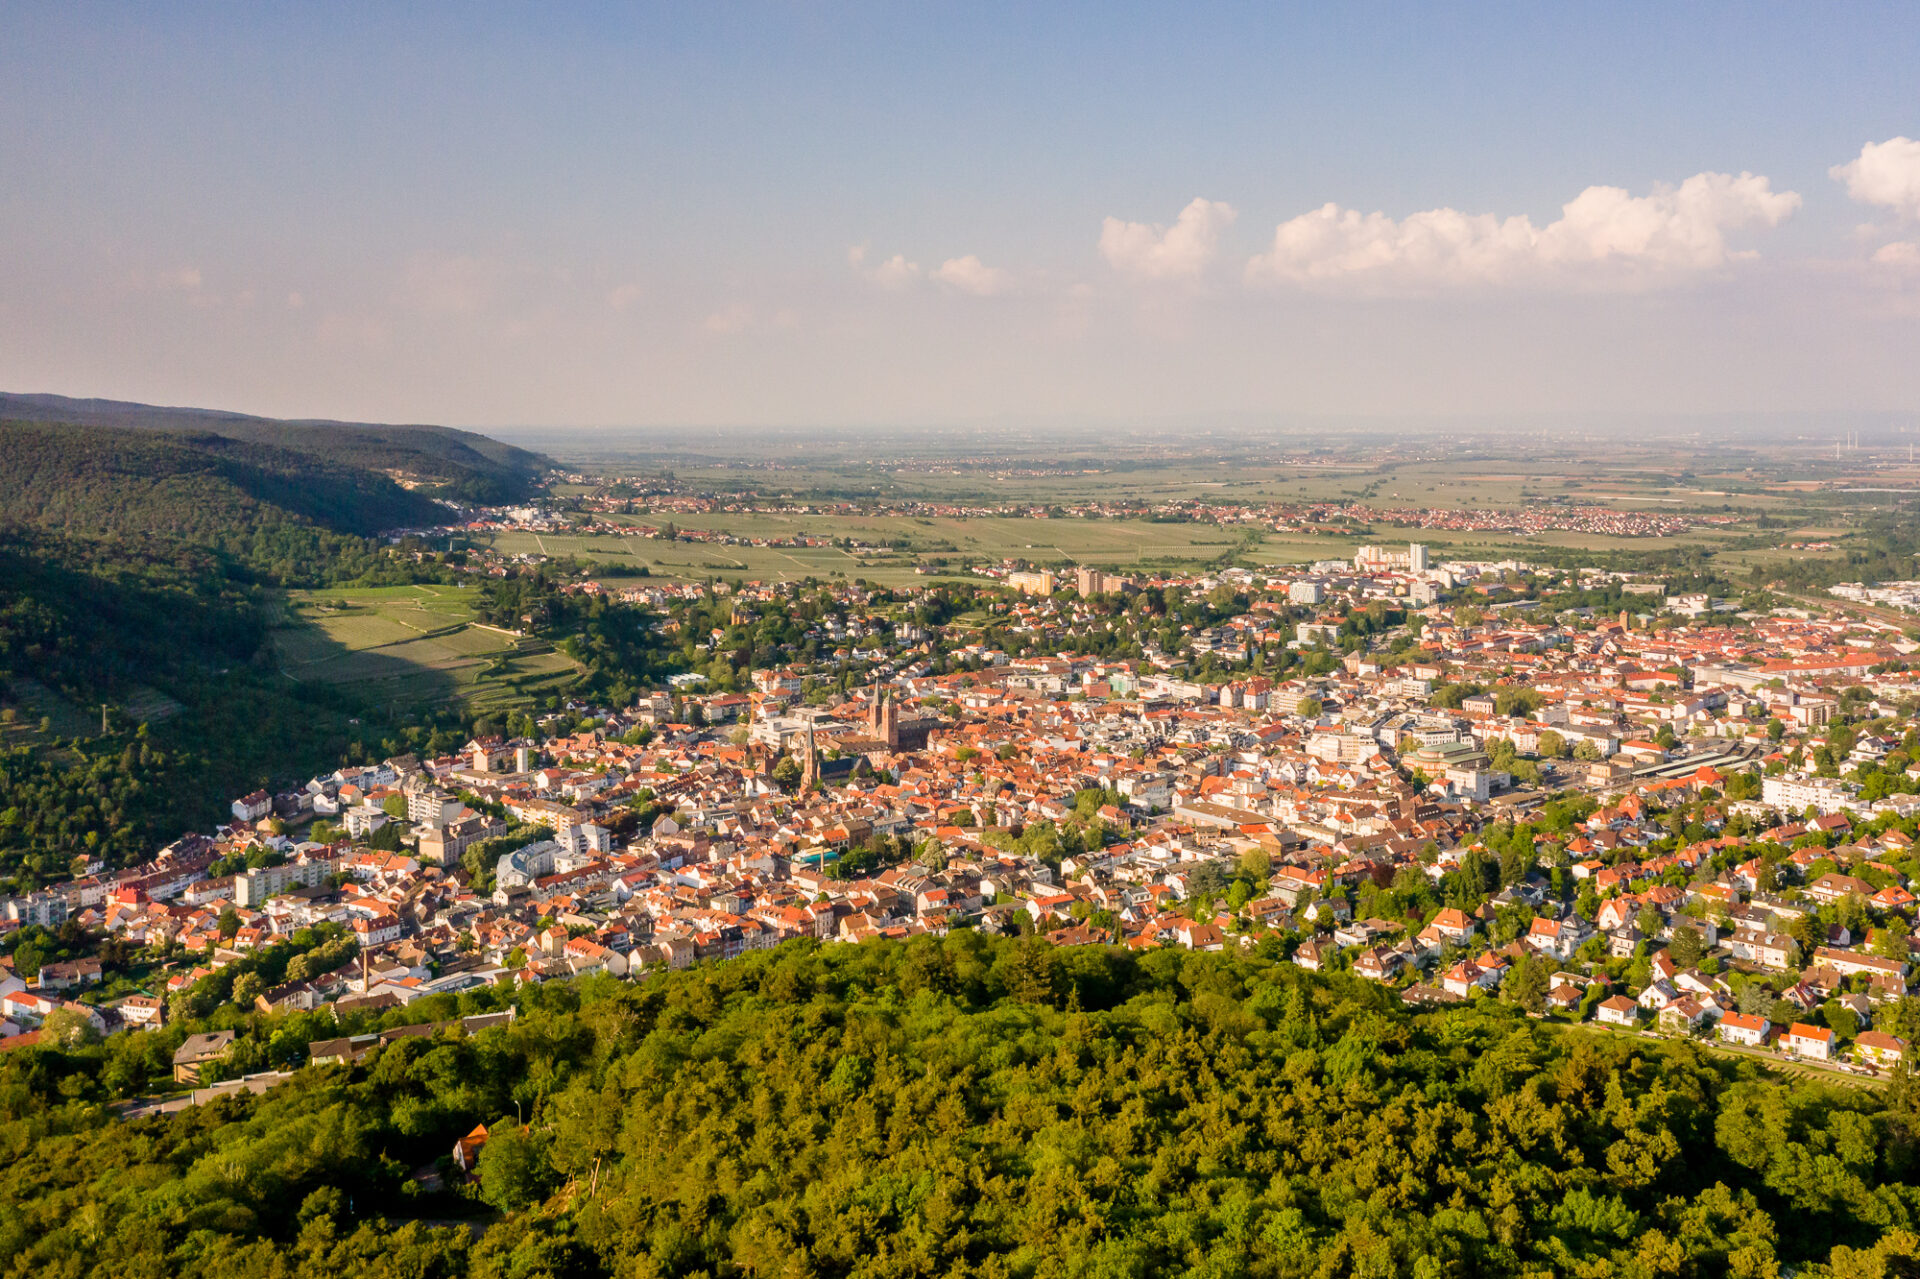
(1769, 1060)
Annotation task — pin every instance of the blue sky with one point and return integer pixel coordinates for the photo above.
(898, 214)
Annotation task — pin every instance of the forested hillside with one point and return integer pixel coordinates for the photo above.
(206, 489)
(964, 1106)
(445, 461)
(135, 571)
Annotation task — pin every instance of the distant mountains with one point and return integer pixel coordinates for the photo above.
(433, 460)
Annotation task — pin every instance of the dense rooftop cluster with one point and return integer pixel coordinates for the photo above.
(1685, 812)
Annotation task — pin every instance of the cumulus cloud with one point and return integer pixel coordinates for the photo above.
(1901, 253)
(1178, 252)
(894, 273)
(970, 275)
(1886, 173)
(1604, 237)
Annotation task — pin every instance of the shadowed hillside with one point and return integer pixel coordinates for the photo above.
(441, 460)
(201, 487)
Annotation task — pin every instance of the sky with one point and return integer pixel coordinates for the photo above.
(911, 215)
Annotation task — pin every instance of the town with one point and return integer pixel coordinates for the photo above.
(1683, 816)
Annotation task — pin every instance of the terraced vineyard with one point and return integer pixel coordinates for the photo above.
(412, 645)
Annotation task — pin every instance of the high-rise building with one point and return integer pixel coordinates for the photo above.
(1416, 557)
(1039, 582)
(1091, 581)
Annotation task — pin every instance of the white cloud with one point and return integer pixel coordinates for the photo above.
(1155, 252)
(1604, 237)
(970, 275)
(1886, 173)
(1901, 253)
(895, 273)
(621, 297)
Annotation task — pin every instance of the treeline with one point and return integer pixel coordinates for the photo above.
(970, 1106)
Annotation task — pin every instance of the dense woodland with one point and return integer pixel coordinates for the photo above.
(198, 488)
(440, 460)
(968, 1106)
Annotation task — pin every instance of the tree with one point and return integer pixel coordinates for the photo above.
(1587, 751)
(28, 959)
(1256, 864)
(514, 1170)
(248, 987)
(1553, 745)
(1840, 1019)
(1310, 708)
(68, 1027)
(229, 922)
(1687, 947)
(1526, 984)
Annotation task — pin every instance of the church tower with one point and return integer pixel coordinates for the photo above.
(810, 763)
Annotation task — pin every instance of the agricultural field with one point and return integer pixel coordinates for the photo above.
(412, 645)
(1117, 544)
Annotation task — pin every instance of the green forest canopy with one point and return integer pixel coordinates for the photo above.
(970, 1106)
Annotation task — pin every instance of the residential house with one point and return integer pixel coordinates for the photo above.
(193, 1057)
(1619, 1011)
(1878, 1048)
(1814, 1042)
(1743, 1028)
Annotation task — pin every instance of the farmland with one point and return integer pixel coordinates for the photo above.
(945, 545)
(412, 645)
(1121, 544)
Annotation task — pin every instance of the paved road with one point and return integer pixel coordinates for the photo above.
(1769, 1060)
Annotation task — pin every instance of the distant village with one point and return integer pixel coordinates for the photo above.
(1684, 817)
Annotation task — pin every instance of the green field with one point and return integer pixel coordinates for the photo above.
(412, 645)
(1125, 545)
(1121, 544)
